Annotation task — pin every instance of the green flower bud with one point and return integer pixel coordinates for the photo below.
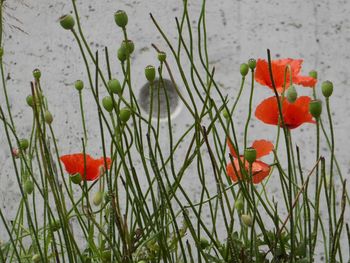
(252, 63)
(121, 18)
(79, 85)
(239, 204)
(150, 73)
(244, 68)
(292, 94)
(225, 113)
(124, 114)
(122, 54)
(1, 52)
(315, 108)
(28, 186)
(98, 198)
(114, 86)
(247, 220)
(204, 243)
(23, 144)
(161, 56)
(107, 103)
(250, 155)
(327, 88)
(36, 258)
(129, 46)
(76, 178)
(313, 74)
(48, 117)
(67, 22)
(30, 101)
(36, 74)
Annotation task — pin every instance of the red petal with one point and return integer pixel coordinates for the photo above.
(305, 81)
(262, 147)
(297, 113)
(267, 111)
(232, 149)
(262, 173)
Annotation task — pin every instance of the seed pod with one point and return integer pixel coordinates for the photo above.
(79, 85)
(36, 74)
(76, 178)
(244, 68)
(161, 56)
(327, 88)
(124, 114)
(121, 18)
(250, 155)
(252, 63)
(48, 117)
(129, 46)
(107, 103)
(23, 144)
(150, 73)
(247, 220)
(114, 86)
(67, 22)
(315, 108)
(98, 198)
(292, 94)
(28, 186)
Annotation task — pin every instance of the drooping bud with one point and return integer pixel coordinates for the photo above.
(98, 198)
(121, 18)
(244, 68)
(114, 86)
(124, 114)
(315, 108)
(79, 85)
(121, 54)
(250, 155)
(30, 101)
(129, 46)
(67, 22)
(36, 74)
(150, 73)
(107, 103)
(247, 220)
(28, 186)
(161, 56)
(327, 88)
(292, 94)
(23, 144)
(48, 117)
(76, 178)
(252, 63)
(313, 74)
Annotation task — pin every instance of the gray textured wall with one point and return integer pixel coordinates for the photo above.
(317, 31)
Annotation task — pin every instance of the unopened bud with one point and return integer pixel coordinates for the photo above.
(121, 18)
(244, 68)
(98, 198)
(150, 73)
(292, 94)
(327, 88)
(315, 108)
(67, 22)
(247, 220)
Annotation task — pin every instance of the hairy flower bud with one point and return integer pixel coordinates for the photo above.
(327, 88)
(107, 103)
(48, 117)
(292, 94)
(244, 68)
(315, 108)
(79, 85)
(124, 114)
(114, 86)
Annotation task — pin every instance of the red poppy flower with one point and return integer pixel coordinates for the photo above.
(260, 170)
(294, 114)
(74, 163)
(262, 74)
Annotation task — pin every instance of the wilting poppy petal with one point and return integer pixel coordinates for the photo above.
(262, 147)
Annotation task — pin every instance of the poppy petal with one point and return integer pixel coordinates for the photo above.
(232, 149)
(305, 81)
(264, 171)
(297, 113)
(262, 147)
(267, 111)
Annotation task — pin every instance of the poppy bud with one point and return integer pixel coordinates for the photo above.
(292, 94)
(252, 63)
(327, 88)
(114, 86)
(121, 54)
(315, 108)
(1, 52)
(23, 144)
(247, 220)
(48, 117)
(98, 198)
(124, 114)
(121, 18)
(250, 155)
(29, 100)
(107, 103)
(161, 56)
(239, 204)
(28, 186)
(225, 113)
(79, 85)
(76, 178)
(244, 68)
(150, 73)
(36, 74)
(313, 74)
(129, 46)
(204, 243)
(36, 258)
(67, 22)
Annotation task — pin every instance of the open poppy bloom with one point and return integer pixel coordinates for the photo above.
(294, 114)
(74, 163)
(262, 74)
(260, 170)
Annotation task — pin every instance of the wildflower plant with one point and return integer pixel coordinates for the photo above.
(75, 207)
